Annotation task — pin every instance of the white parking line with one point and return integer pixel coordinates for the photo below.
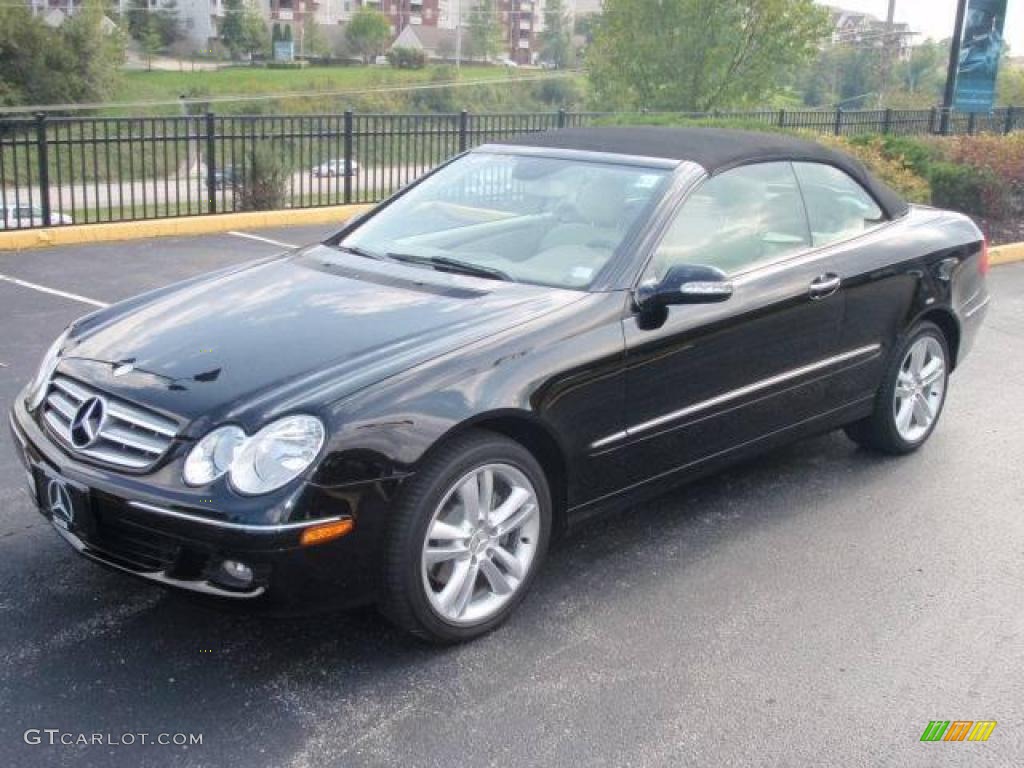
(263, 239)
(53, 291)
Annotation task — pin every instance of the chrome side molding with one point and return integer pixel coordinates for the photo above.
(735, 394)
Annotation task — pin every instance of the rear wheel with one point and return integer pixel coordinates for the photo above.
(469, 534)
(911, 397)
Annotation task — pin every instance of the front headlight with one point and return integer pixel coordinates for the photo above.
(37, 387)
(275, 455)
(212, 456)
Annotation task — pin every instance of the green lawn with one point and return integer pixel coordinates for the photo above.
(235, 81)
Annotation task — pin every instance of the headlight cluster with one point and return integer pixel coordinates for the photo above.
(275, 455)
(37, 387)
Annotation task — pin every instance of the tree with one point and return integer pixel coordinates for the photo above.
(314, 42)
(97, 52)
(255, 35)
(243, 30)
(484, 31)
(1010, 86)
(151, 43)
(77, 62)
(700, 54)
(142, 22)
(368, 33)
(556, 39)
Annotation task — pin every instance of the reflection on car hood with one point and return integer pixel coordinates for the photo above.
(305, 329)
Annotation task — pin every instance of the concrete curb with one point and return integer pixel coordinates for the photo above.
(1006, 254)
(20, 240)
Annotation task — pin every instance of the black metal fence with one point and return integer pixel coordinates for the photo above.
(57, 170)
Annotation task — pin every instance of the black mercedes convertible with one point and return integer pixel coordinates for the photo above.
(409, 412)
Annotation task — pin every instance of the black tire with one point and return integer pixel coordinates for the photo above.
(878, 431)
(405, 601)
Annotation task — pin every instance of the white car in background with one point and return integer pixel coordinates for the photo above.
(334, 168)
(25, 216)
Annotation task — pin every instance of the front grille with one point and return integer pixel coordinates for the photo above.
(127, 436)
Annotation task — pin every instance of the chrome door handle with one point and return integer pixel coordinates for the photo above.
(824, 286)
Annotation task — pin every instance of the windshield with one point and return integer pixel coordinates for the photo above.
(530, 219)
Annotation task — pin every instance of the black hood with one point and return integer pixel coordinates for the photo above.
(306, 329)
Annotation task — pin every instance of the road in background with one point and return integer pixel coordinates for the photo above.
(818, 605)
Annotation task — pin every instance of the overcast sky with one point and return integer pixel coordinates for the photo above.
(935, 18)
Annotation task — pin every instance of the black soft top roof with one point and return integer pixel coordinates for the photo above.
(715, 149)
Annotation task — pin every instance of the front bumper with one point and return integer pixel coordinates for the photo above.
(116, 524)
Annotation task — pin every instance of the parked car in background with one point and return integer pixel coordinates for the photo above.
(24, 216)
(335, 168)
(537, 331)
(227, 177)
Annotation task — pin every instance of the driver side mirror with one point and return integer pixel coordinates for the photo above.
(685, 284)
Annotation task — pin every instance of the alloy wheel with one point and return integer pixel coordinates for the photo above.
(480, 544)
(920, 387)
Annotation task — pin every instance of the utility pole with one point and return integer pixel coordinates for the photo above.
(890, 48)
(458, 35)
(954, 64)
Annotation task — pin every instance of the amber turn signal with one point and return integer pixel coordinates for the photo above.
(318, 534)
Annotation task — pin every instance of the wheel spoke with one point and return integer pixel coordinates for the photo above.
(469, 495)
(499, 583)
(442, 531)
(904, 385)
(906, 410)
(509, 507)
(917, 358)
(486, 479)
(463, 590)
(441, 554)
(509, 562)
(922, 411)
(932, 372)
(516, 520)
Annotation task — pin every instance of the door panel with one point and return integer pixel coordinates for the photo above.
(716, 376)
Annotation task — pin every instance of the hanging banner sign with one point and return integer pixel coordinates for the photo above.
(979, 56)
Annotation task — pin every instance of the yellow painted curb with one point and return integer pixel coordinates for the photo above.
(1006, 254)
(186, 225)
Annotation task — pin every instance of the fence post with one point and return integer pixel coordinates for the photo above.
(971, 123)
(348, 157)
(887, 121)
(932, 113)
(838, 128)
(43, 156)
(211, 164)
(463, 129)
(1008, 127)
(561, 117)
(782, 118)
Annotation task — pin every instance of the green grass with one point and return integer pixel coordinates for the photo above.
(142, 86)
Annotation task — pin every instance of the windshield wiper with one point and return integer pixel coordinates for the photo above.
(452, 265)
(355, 249)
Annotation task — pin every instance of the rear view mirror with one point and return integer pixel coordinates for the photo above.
(686, 284)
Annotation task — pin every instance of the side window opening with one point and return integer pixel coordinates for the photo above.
(838, 207)
(736, 221)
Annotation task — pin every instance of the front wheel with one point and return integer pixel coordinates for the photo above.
(467, 538)
(911, 397)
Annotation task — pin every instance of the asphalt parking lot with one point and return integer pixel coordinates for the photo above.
(817, 606)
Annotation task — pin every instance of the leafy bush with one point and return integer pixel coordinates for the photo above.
(263, 187)
(975, 191)
(406, 58)
(893, 170)
(916, 154)
(1002, 156)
